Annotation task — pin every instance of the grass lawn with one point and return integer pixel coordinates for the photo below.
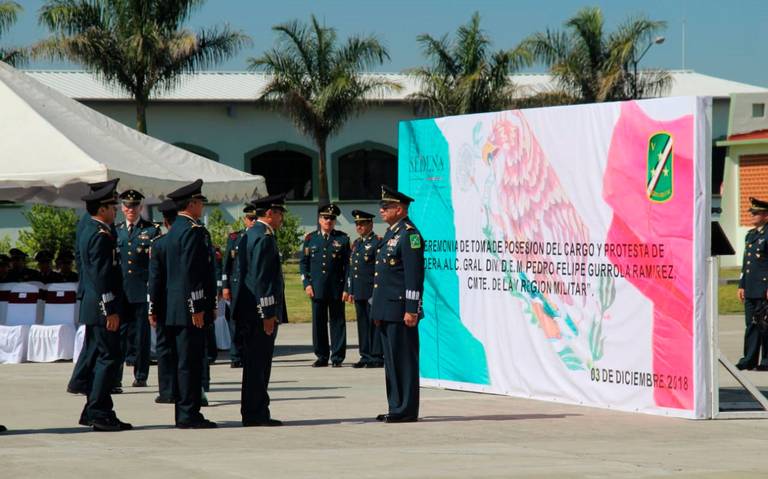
(300, 310)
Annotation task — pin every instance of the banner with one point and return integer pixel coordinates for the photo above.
(565, 252)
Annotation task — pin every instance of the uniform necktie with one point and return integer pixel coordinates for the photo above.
(130, 229)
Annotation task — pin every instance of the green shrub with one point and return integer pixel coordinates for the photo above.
(51, 228)
(289, 236)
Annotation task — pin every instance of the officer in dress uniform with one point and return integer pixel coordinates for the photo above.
(189, 270)
(753, 286)
(100, 307)
(78, 383)
(156, 291)
(19, 273)
(64, 265)
(323, 266)
(46, 274)
(259, 308)
(134, 237)
(230, 281)
(359, 290)
(396, 309)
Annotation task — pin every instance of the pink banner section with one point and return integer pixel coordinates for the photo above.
(666, 280)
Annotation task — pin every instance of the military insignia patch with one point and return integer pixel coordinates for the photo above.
(415, 241)
(659, 171)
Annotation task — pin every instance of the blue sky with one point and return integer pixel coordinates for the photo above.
(724, 39)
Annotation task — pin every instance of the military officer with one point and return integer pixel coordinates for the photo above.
(19, 273)
(64, 265)
(359, 289)
(167, 357)
(323, 266)
(100, 307)
(189, 270)
(46, 274)
(134, 237)
(753, 286)
(259, 307)
(396, 308)
(230, 280)
(78, 383)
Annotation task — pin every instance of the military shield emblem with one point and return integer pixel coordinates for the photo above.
(659, 169)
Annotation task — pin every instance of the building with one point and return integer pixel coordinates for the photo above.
(215, 115)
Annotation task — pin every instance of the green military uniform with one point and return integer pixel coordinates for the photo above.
(754, 282)
(261, 296)
(360, 273)
(133, 241)
(323, 265)
(398, 286)
(188, 272)
(230, 280)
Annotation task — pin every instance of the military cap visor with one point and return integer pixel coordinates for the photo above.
(16, 253)
(276, 202)
(131, 197)
(190, 191)
(329, 210)
(758, 206)
(361, 216)
(101, 184)
(390, 195)
(104, 196)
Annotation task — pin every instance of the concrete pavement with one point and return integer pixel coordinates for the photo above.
(330, 431)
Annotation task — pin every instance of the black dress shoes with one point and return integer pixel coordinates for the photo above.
(162, 400)
(381, 417)
(359, 365)
(336, 364)
(762, 367)
(202, 424)
(110, 425)
(236, 364)
(393, 419)
(3, 428)
(320, 363)
(263, 423)
(139, 383)
(72, 390)
(116, 390)
(742, 367)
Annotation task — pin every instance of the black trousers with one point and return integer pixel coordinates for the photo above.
(135, 336)
(167, 359)
(368, 336)
(81, 373)
(234, 348)
(190, 350)
(105, 348)
(321, 310)
(257, 351)
(401, 368)
(754, 341)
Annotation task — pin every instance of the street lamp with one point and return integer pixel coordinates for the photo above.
(656, 41)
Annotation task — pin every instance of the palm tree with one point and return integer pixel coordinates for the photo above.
(593, 67)
(139, 44)
(320, 84)
(465, 77)
(9, 12)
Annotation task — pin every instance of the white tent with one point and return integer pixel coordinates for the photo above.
(51, 146)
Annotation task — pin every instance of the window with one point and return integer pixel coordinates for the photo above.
(753, 181)
(362, 171)
(758, 110)
(285, 171)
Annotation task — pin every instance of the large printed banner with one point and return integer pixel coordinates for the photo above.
(565, 252)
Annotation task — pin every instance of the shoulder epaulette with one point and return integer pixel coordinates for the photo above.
(233, 235)
(307, 238)
(157, 237)
(409, 226)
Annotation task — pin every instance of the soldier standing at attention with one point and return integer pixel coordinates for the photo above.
(753, 286)
(230, 281)
(100, 307)
(78, 383)
(396, 307)
(189, 270)
(134, 237)
(259, 308)
(359, 289)
(156, 292)
(323, 266)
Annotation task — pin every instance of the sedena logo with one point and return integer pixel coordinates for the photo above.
(659, 169)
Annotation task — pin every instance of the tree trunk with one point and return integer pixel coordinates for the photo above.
(322, 174)
(141, 115)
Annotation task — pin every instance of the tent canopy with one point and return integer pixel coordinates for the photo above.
(51, 146)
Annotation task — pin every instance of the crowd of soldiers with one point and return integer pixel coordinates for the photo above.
(132, 277)
(13, 267)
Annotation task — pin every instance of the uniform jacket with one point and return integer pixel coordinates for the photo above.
(362, 262)
(754, 266)
(324, 262)
(156, 284)
(50, 277)
(23, 275)
(84, 220)
(230, 265)
(399, 278)
(134, 256)
(189, 271)
(100, 274)
(262, 288)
